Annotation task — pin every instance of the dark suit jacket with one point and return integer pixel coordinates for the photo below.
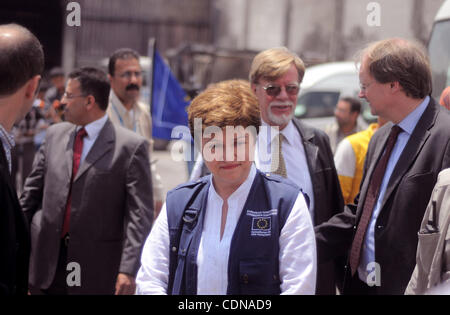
(328, 198)
(409, 189)
(14, 236)
(111, 210)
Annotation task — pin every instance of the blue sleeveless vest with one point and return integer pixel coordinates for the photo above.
(253, 266)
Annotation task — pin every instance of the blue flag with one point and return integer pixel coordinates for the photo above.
(169, 100)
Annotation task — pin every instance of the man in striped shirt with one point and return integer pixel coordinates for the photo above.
(21, 66)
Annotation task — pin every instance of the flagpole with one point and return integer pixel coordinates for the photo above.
(150, 74)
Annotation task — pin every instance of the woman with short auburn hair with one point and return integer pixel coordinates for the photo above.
(236, 231)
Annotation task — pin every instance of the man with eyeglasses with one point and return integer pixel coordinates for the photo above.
(87, 198)
(21, 66)
(275, 77)
(379, 233)
(127, 110)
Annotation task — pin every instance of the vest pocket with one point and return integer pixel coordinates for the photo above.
(259, 276)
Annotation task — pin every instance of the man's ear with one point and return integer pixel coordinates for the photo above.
(32, 86)
(395, 86)
(90, 101)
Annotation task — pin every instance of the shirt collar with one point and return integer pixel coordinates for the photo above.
(409, 122)
(268, 131)
(7, 138)
(93, 128)
(242, 190)
(117, 103)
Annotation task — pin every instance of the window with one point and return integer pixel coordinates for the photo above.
(439, 51)
(316, 104)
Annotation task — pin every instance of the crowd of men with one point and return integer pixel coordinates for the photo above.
(90, 198)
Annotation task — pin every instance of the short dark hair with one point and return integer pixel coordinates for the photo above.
(21, 59)
(93, 81)
(355, 104)
(122, 53)
(56, 72)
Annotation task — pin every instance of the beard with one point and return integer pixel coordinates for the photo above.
(280, 119)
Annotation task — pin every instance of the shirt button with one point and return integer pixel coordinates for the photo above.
(245, 278)
(174, 249)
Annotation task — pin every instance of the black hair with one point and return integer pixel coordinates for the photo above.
(93, 81)
(122, 53)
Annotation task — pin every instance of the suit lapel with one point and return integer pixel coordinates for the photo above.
(4, 172)
(311, 150)
(69, 150)
(101, 146)
(415, 143)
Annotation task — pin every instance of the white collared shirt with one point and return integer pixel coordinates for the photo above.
(294, 157)
(298, 264)
(93, 130)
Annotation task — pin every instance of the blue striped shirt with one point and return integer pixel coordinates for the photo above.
(8, 143)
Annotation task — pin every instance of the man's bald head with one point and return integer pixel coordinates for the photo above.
(21, 58)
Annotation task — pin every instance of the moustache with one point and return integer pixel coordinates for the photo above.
(132, 87)
(281, 104)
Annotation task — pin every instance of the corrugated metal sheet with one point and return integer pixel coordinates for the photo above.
(111, 24)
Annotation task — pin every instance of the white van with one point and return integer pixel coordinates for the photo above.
(439, 50)
(322, 86)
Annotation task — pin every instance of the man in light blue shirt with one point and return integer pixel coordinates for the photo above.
(379, 232)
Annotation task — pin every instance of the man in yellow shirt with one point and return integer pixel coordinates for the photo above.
(349, 160)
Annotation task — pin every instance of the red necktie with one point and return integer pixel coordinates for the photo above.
(77, 149)
(371, 199)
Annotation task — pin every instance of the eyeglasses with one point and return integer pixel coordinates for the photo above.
(129, 74)
(70, 96)
(274, 89)
(38, 88)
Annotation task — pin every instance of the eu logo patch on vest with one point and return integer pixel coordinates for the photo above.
(261, 222)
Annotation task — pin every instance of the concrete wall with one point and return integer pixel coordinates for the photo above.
(319, 30)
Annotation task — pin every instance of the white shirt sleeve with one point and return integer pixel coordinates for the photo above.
(298, 260)
(153, 276)
(345, 159)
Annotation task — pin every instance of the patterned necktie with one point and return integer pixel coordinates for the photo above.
(77, 150)
(371, 199)
(278, 165)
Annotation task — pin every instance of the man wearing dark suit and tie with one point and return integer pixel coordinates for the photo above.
(379, 232)
(21, 66)
(306, 157)
(88, 198)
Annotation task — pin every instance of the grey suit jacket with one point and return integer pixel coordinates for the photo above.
(111, 207)
(409, 189)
